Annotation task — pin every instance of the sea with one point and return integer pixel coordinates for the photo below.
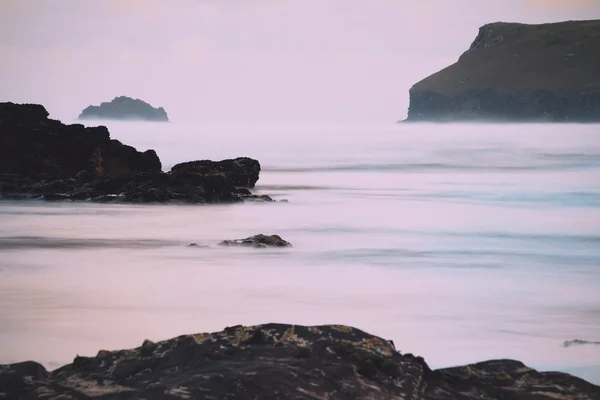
(459, 242)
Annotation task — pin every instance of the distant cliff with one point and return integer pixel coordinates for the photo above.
(125, 108)
(518, 72)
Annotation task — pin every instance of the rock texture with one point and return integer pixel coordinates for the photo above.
(259, 241)
(518, 72)
(242, 172)
(125, 108)
(276, 361)
(46, 159)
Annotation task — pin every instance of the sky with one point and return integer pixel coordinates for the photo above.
(268, 61)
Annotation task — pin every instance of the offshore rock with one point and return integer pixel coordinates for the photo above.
(258, 241)
(241, 172)
(125, 108)
(277, 361)
(517, 72)
(41, 158)
(579, 342)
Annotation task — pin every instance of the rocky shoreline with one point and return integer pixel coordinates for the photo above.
(44, 159)
(279, 361)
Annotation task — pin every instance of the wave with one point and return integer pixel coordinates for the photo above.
(507, 236)
(44, 242)
(435, 167)
(461, 259)
(292, 187)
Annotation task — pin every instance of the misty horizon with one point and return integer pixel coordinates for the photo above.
(259, 61)
(262, 190)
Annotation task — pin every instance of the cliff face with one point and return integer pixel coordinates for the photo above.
(125, 108)
(518, 72)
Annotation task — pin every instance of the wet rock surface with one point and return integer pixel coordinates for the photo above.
(258, 241)
(41, 158)
(278, 361)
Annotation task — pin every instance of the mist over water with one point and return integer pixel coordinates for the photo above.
(459, 242)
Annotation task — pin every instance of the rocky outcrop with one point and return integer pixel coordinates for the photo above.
(276, 361)
(517, 72)
(45, 159)
(258, 241)
(242, 172)
(125, 108)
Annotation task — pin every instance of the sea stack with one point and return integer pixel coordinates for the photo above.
(517, 73)
(125, 108)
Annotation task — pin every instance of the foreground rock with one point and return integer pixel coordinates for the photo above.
(518, 72)
(125, 108)
(277, 361)
(259, 241)
(41, 158)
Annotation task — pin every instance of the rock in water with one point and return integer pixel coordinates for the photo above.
(277, 361)
(125, 108)
(259, 241)
(518, 72)
(34, 147)
(44, 158)
(579, 342)
(242, 171)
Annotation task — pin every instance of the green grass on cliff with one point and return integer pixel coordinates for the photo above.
(561, 57)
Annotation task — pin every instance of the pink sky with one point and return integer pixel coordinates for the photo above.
(245, 60)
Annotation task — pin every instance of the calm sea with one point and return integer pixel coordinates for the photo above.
(459, 242)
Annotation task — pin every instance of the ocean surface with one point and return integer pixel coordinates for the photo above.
(461, 243)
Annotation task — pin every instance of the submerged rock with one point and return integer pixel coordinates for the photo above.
(125, 108)
(259, 241)
(517, 72)
(200, 245)
(278, 361)
(579, 342)
(263, 198)
(41, 158)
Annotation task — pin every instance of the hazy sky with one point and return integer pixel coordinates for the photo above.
(245, 60)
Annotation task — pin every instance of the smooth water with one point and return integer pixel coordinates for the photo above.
(459, 242)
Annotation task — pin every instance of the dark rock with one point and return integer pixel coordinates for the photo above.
(107, 198)
(277, 361)
(517, 72)
(197, 245)
(505, 379)
(263, 198)
(125, 108)
(242, 172)
(43, 158)
(259, 241)
(47, 151)
(147, 348)
(578, 342)
(57, 196)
